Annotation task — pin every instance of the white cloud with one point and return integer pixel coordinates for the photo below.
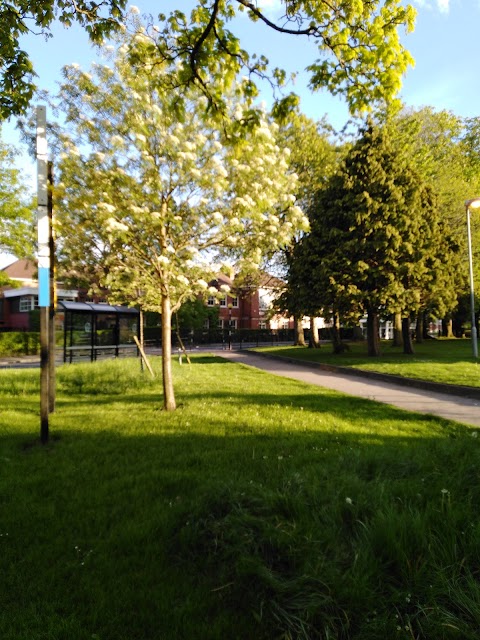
(442, 5)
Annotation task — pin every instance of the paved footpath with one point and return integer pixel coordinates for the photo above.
(464, 410)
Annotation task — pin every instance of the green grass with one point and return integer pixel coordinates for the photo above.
(263, 508)
(447, 361)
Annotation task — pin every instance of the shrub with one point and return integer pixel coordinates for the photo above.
(16, 343)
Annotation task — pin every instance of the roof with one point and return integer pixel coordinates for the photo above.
(268, 281)
(21, 269)
(88, 307)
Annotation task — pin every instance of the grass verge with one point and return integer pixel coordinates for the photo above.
(446, 361)
(262, 508)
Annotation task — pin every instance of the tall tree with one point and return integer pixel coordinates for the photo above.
(359, 47)
(375, 229)
(445, 150)
(164, 189)
(16, 207)
(314, 158)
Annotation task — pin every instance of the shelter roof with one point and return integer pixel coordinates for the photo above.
(88, 307)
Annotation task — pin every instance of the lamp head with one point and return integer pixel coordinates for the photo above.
(474, 203)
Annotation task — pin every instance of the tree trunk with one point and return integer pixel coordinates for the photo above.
(425, 326)
(168, 393)
(397, 330)
(337, 344)
(141, 335)
(299, 334)
(447, 327)
(314, 340)
(373, 334)
(419, 327)
(407, 337)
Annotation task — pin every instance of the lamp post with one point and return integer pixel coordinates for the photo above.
(474, 203)
(229, 327)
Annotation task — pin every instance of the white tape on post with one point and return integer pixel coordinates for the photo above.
(42, 210)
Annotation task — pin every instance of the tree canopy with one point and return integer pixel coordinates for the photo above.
(359, 50)
(377, 243)
(159, 191)
(16, 207)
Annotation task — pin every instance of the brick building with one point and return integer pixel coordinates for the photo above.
(16, 302)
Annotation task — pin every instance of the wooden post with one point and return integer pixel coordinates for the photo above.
(43, 267)
(53, 298)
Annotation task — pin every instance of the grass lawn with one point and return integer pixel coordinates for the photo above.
(263, 508)
(448, 361)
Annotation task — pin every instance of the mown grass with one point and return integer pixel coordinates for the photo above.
(263, 508)
(447, 361)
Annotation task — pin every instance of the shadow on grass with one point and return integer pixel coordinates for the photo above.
(245, 514)
(187, 535)
(444, 351)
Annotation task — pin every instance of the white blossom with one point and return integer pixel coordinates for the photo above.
(106, 207)
(114, 225)
(116, 140)
(202, 284)
(163, 260)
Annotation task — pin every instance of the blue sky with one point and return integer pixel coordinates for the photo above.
(445, 75)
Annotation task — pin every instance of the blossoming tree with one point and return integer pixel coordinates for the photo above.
(156, 189)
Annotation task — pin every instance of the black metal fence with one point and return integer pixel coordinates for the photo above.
(236, 338)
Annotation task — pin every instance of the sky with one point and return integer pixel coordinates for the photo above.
(445, 75)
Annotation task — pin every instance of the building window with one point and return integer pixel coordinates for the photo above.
(233, 323)
(262, 324)
(223, 301)
(206, 323)
(264, 300)
(26, 304)
(285, 324)
(211, 301)
(235, 303)
(220, 323)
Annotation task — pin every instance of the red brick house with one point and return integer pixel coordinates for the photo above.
(248, 306)
(17, 302)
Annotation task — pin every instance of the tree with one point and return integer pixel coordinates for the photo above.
(360, 53)
(16, 211)
(314, 157)
(164, 191)
(375, 231)
(19, 17)
(445, 150)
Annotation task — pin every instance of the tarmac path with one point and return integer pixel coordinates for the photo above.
(465, 410)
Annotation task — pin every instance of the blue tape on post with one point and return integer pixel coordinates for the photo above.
(43, 287)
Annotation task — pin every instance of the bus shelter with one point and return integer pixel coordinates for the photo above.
(92, 331)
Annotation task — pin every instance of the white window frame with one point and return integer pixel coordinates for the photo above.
(26, 304)
(211, 301)
(234, 302)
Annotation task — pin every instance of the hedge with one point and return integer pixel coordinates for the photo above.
(15, 343)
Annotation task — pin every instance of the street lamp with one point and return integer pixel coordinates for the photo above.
(229, 327)
(474, 203)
